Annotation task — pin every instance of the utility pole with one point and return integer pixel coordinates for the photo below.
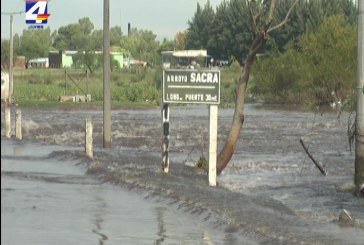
(11, 60)
(359, 129)
(11, 44)
(106, 76)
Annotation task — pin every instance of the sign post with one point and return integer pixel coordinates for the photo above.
(213, 112)
(191, 86)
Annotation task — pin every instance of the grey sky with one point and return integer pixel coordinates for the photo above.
(163, 17)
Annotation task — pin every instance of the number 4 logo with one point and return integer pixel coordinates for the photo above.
(36, 12)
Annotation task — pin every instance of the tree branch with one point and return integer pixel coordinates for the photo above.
(253, 20)
(257, 44)
(285, 19)
(318, 165)
(270, 15)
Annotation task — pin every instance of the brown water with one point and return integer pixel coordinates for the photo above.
(270, 193)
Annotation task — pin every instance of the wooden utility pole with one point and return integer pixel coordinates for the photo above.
(11, 61)
(11, 47)
(359, 129)
(10, 95)
(106, 76)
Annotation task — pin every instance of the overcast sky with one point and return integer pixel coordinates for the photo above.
(163, 17)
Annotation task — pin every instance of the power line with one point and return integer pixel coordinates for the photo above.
(12, 13)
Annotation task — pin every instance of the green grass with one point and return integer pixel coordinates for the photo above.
(45, 86)
(140, 86)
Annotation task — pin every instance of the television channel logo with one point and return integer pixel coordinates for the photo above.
(36, 13)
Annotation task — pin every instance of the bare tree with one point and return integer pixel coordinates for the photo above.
(260, 30)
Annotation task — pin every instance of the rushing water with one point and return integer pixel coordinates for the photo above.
(270, 193)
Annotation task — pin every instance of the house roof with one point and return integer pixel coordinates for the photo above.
(187, 53)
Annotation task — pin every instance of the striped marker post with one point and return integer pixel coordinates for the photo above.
(165, 142)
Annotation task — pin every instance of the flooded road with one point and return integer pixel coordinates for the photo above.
(45, 200)
(270, 193)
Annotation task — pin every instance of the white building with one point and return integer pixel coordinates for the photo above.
(185, 58)
(38, 63)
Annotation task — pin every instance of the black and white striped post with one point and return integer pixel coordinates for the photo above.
(165, 142)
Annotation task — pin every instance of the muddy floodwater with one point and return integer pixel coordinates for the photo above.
(270, 193)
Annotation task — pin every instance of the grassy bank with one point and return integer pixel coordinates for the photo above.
(129, 87)
(45, 86)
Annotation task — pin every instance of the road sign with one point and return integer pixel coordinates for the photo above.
(196, 86)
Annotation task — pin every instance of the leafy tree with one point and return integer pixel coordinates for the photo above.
(229, 34)
(86, 26)
(166, 45)
(64, 39)
(88, 55)
(88, 42)
(199, 32)
(331, 53)
(115, 35)
(283, 76)
(95, 41)
(17, 44)
(141, 44)
(319, 72)
(35, 43)
(292, 29)
(180, 40)
(220, 43)
(74, 36)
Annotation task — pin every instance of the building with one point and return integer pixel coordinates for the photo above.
(185, 59)
(20, 62)
(38, 63)
(64, 59)
(131, 62)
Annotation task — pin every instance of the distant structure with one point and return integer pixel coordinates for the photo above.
(64, 59)
(185, 59)
(42, 62)
(20, 62)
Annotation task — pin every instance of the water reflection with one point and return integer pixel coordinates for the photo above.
(99, 216)
(159, 211)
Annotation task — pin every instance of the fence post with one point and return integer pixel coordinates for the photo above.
(88, 138)
(65, 82)
(18, 126)
(165, 142)
(7, 121)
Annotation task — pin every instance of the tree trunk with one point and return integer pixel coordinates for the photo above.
(238, 119)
